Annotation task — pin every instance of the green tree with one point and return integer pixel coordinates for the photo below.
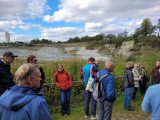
(98, 37)
(111, 36)
(137, 32)
(77, 39)
(85, 38)
(146, 27)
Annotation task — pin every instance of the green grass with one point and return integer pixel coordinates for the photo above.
(73, 66)
(120, 114)
(77, 112)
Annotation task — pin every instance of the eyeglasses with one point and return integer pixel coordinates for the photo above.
(35, 60)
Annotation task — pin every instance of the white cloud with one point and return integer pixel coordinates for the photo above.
(63, 33)
(97, 10)
(93, 25)
(7, 25)
(60, 34)
(20, 9)
(97, 16)
(13, 14)
(106, 16)
(20, 37)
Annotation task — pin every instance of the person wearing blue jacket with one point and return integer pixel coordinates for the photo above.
(151, 102)
(22, 102)
(105, 105)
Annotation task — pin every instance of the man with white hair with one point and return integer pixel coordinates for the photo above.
(105, 105)
(22, 102)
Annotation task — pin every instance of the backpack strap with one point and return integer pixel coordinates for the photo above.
(91, 70)
(98, 74)
(104, 76)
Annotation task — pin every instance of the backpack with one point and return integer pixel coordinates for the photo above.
(98, 91)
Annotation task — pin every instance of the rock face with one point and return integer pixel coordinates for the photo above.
(59, 52)
(44, 53)
(56, 53)
(125, 48)
(81, 52)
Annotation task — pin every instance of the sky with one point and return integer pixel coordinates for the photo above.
(59, 20)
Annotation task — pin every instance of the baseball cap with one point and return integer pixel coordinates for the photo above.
(9, 54)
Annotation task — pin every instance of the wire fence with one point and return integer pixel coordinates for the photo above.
(51, 92)
(79, 81)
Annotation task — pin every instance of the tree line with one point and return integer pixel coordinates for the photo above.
(146, 29)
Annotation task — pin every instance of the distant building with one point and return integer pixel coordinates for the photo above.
(7, 37)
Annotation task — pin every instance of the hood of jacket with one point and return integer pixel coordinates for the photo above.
(17, 97)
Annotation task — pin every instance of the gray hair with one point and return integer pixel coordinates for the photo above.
(109, 65)
(24, 71)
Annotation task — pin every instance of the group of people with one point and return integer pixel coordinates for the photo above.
(23, 99)
(151, 101)
(136, 77)
(90, 70)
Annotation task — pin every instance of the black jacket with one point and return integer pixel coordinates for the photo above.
(6, 77)
(128, 78)
(155, 76)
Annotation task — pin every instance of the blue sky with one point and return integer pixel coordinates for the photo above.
(59, 20)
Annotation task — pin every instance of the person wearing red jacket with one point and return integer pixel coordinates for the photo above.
(63, 81)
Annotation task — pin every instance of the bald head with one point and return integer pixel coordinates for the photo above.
(97, 62)
(109, 65)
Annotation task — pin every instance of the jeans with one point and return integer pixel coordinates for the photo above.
(128, 97)
(65, 100)
(105, 110)
(88, 97)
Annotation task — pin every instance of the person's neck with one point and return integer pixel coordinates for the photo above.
(23, 84)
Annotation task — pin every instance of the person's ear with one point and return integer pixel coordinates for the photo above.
(30, 78)
(29, 81)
